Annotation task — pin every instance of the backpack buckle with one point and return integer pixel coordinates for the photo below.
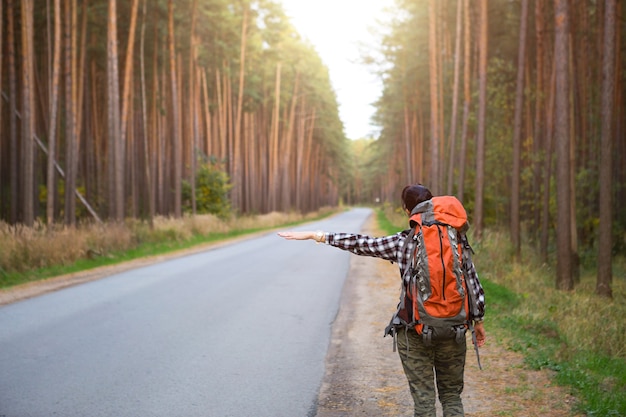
(460, 333)
(427, 335)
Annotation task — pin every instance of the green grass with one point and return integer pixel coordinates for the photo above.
(576, 334)
(388, 221)
(596, 379)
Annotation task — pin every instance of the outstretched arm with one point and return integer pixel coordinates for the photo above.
(385, 247)
(318, 236)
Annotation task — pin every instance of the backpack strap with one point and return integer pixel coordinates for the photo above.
(396, 320)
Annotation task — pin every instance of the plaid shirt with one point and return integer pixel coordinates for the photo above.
(391, 248)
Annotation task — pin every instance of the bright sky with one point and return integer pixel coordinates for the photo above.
(336, 28)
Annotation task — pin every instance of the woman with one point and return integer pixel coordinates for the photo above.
(422, 361)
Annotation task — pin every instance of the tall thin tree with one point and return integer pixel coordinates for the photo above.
(13, 142)
(128, 75)
(144, 118)
(433, 52)
(52, 129)
(482, 114)
(194, 86)
(273, 179)
(237, 192)
(538, 133)
(605, 239)
(115, 158)
(176, 123)
(71, 156)
(455, 96)
(517, 134)
(564, 279)
(548, 169)
(28, 112)
(467, 95)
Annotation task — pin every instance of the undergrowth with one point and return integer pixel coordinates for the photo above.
(39, 252)
(578, 335)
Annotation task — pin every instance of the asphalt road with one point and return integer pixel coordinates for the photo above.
(241, 330)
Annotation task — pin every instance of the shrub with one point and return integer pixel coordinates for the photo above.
(212, 187)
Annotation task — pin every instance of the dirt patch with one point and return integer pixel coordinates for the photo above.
(364, 376)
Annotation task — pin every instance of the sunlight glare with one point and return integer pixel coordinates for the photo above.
(338, 29)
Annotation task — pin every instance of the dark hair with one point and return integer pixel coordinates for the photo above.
(414, 194)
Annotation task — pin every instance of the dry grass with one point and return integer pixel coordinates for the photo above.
(579, 316)
(24, 249)
(27, 248)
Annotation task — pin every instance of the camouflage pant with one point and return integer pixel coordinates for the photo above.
(447, 359)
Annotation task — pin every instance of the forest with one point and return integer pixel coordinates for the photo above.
(120, 103)
(132, 109)
(517, 107)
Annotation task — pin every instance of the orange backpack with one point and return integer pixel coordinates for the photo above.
(434, 296)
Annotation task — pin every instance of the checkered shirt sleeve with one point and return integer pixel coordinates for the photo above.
(391, 248)
(386, 247)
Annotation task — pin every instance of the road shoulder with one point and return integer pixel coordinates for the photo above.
(40, 287)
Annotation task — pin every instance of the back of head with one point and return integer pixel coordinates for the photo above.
(414, 194)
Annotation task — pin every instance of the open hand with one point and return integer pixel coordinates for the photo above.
(289, 235)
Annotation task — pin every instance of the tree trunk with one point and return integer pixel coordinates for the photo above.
(300, 135)
(273, 157)
(573, 134)
(70, 96)
(155, 130)
(54, 101)
(517, 134)
(287, 148)
(126, 92)
(208, 147)
(194, 85)
(229, 112)
(434, 97)
(467, 95)
(605, 239)
(131, 160)
(455, 96)
(237, 191)
(28, 112)
(564, 249)
(540, 94)
(176, 128)
(443, 48)
(80, 71)
(547, 174)
(115, 157)
(13, 143)
(482, 110)
(144, 119)
(221, 116)
(99, 142)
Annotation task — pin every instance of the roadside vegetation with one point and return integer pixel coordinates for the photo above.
(39, 252)
(576, 334)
